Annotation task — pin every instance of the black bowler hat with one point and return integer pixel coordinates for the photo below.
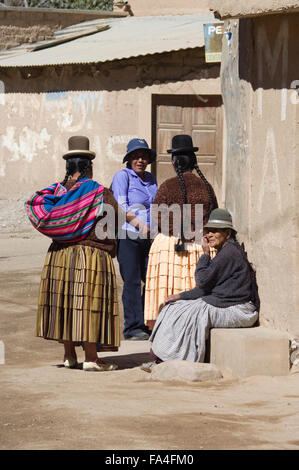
(182, 143)
(79, 146)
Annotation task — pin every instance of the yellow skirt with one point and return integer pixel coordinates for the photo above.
(169, 272)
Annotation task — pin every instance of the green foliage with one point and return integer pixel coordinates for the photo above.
(73, 4)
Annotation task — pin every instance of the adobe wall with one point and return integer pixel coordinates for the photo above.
(259, 73)
(12, 36)
(27, 25)
(110, 103)
(25, 17)
(160, 7)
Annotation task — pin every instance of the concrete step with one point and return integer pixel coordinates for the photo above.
(250, 351)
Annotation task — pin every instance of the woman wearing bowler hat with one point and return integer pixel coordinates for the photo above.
(78, 297)
(172, 259)
(134, 189)
(225, 296)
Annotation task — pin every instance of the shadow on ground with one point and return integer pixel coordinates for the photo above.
(125, 361)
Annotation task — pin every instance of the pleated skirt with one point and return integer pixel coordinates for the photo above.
(169, 272)
(78, 297)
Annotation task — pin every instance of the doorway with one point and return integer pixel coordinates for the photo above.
(198, 116)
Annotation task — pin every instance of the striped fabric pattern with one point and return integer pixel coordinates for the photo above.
(182, 327)
(78, 296)
(65, 215)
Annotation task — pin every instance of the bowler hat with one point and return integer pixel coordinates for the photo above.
(136, 144)
(182, 143)
(220, 218)
(79, 145)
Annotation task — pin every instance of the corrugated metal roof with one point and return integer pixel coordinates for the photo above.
(126, 37)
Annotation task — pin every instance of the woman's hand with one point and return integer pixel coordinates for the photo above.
(205, 246)
(144, 230)
(172, 298)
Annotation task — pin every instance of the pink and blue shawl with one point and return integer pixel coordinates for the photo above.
(66, 216)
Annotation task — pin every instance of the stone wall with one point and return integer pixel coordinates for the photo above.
(26, 25)
(12, 36)
(25, 17)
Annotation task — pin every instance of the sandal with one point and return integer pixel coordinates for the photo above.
(98, 366)
(70, 362)
(148, 366)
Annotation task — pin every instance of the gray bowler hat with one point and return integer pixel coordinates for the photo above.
(220, 218)
(79, 147)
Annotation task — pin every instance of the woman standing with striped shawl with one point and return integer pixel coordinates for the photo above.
(78, 295)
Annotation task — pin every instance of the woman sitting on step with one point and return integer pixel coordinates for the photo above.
(225, 296)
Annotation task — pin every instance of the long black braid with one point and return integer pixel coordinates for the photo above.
(67, 175)
(208, 186)
(83, 165)
(180, 246)
(183, 163)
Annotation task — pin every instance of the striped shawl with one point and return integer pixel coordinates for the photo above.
(66, 216)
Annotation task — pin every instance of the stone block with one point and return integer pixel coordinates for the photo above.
(250, 351)
(185, 371)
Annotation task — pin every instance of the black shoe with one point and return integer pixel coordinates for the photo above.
(147, 330)
(140, 336)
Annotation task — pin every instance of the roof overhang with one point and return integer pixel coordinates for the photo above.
(122, 38)
(225, 9)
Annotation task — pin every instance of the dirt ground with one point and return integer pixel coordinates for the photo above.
(45, 406)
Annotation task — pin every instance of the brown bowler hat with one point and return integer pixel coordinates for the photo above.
(79, 145)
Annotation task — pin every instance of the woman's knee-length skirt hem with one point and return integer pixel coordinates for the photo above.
(78, 297)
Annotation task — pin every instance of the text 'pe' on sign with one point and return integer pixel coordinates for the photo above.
(213, 33)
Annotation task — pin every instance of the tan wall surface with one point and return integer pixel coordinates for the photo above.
(262, 162)
(273, 170)
(174, 7)
(110, 104)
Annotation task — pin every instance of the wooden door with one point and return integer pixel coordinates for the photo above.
(200, 118)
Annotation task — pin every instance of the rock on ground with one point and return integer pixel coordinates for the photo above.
(186, 371)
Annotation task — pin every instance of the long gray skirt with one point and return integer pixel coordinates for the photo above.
(182, 327)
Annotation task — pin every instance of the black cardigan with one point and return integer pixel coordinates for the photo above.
(225, 280)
